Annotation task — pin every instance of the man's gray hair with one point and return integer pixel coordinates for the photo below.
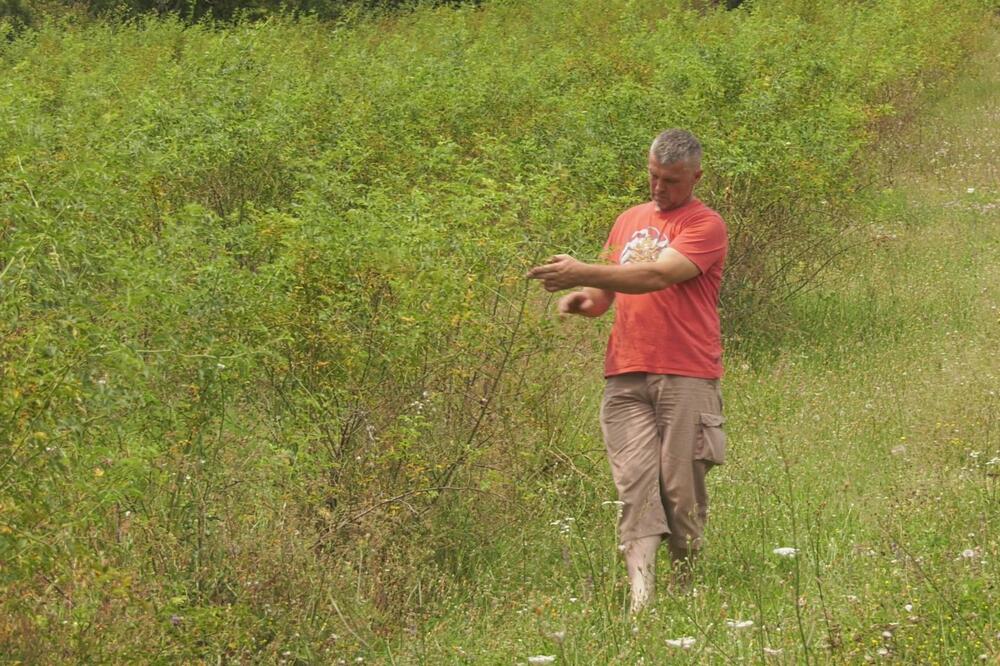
(676, 145)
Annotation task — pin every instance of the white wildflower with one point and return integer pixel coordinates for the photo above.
(619, 505)
(558, 636)
(685, 642)
(563, 524)
(739, 624)
(542, 659)
(971, 190)
(882, 652)
(786, 551)
(908, 608)
(968, 554)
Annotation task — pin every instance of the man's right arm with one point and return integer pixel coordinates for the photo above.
(589, 302)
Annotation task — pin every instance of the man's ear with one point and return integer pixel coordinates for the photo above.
(697, 175)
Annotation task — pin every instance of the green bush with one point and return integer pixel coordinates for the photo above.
(262, 296)
(22, 14)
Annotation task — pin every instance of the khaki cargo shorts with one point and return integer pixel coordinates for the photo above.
(662, 433)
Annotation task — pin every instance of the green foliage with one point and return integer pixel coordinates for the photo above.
(35, 13)
(268, 350)
(15, 13)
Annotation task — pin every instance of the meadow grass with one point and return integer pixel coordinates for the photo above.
(865, 436)
(241, 420)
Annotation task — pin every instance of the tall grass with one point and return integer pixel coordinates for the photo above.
(865, 438)
(271, 379)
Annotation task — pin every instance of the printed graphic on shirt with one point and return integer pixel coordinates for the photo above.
(645, 245)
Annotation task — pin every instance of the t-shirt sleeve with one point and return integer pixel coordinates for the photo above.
(703, 241)
(613, 246)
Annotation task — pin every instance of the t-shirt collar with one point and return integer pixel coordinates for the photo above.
(672, 211)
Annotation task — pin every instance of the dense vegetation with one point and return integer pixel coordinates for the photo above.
(263, 312)
(25, 13)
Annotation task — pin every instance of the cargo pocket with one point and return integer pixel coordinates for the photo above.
(711, 445)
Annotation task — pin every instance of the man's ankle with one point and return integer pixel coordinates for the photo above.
(642, 597)
(640, 561)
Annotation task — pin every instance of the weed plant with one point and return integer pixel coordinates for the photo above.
(272, 385)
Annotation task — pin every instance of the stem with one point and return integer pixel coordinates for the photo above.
(798, 568)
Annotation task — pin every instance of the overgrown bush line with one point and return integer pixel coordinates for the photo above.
(268, 353)
(23, 14)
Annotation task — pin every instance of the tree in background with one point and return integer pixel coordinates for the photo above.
(16, 12)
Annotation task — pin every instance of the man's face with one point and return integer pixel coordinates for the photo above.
(671, 185)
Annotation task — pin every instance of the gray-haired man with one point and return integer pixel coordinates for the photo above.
(662, 410)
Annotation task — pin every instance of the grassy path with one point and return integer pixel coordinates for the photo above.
(870, 441)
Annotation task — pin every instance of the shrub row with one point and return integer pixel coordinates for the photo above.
(22, 13)
(261, 287)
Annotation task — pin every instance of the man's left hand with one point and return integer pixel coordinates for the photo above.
(560, 272)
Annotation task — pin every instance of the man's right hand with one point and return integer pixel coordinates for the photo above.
(577, 302)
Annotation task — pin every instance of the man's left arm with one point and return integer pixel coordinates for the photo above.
(564, 272)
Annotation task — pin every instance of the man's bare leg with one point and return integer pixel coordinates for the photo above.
(640, 563)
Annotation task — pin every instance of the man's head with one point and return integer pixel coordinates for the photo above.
(674, 168)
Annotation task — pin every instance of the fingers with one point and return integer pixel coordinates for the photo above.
(551, 281)
(575, 303)
(551, 265)
(538, 272)
(555, 275)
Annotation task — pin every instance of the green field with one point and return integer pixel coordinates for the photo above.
(273, 388)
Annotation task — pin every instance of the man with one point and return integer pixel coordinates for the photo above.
(661, 414)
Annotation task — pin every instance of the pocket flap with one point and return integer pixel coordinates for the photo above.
(713, 420)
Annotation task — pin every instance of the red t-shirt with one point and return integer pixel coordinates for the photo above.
(673, 331)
